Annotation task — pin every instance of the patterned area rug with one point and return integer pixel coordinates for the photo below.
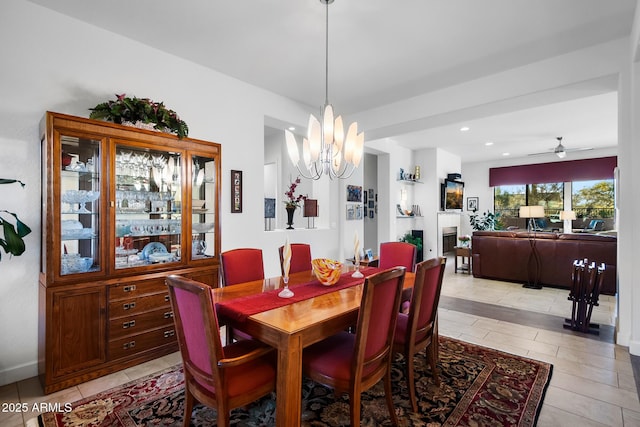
(479, 387)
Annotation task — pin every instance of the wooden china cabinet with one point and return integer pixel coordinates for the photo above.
(122, 208)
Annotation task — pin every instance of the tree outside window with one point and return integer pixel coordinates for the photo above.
(594, 200)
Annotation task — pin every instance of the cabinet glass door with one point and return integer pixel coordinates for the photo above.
(80, 205)
(148, 207)
(203, 207)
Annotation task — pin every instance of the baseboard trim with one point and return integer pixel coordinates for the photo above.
(18, 373)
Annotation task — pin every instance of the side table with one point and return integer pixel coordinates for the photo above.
(463, 252)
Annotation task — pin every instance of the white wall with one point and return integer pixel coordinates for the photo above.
(53, 62)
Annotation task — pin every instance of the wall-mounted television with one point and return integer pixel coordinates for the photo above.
(452, 195)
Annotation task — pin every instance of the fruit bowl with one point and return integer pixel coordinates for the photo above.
(326, 270)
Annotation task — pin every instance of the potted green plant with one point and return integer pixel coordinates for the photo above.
(414, 240)
(125, 109)
(12, 236)
(485, 221)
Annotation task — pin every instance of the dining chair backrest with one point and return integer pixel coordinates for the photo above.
(394, 254)
(353, 363)
(196, 328)
(211, 378)
(376, 324)
(425, 298)
(300, 258)
(417, 330)
(241, 265)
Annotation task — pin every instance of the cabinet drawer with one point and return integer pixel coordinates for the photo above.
(132, 306)
(131, 345)
(142, 322)
(135, 289)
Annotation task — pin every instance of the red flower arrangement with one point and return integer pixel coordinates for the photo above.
(293, 200)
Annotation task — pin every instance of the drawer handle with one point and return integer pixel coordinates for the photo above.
(129, 345)
(169, 334)
(129, 288)
(166, 298)
(168, 315)
(129, 324)
(129, 305)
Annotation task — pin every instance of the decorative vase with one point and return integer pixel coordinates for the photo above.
(290, 211)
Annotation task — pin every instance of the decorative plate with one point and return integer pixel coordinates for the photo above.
(153, 248)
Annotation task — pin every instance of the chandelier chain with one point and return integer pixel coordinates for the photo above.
(326, 56)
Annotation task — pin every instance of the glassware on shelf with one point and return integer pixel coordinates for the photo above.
(79, 197)
(87, 196)
(74, 263)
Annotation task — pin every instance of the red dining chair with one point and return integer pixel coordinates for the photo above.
(353, 363)
(220, 377)
(417, 330)
(241, 265)
(300, 258)
(394, 254)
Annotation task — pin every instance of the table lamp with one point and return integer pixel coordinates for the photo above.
(531, 213)
(567, 217)
(310, 212)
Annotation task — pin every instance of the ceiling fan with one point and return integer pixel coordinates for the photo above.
(560, 150)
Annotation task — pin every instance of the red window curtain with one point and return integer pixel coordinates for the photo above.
(540, 173)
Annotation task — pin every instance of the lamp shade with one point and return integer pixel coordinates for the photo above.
(532, 211)
(310, 208)
(569, 215)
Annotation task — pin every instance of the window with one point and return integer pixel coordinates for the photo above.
(594, 200)
(507, 200)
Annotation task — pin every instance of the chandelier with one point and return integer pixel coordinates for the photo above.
(326, 150)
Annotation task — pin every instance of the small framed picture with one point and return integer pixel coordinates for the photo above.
(359, 210)
(236, 191)
(369, 254)
(351, 212)
(472, 204)
(354, 193)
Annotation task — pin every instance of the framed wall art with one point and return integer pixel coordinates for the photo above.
(354, 193)
(236, 191)
(472, 204)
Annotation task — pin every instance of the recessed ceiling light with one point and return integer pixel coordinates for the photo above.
(464, 128)
(488, 143)
(292, 128)
(506, 154)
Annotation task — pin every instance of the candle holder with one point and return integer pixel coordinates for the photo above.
(285, 292)
(357, 274)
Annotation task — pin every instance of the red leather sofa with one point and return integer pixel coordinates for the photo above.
(505, 255)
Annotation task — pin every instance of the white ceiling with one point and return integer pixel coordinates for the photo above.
(382, 52)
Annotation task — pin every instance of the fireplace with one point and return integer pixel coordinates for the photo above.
(449, 236)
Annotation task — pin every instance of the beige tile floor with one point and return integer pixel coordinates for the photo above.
(592, 382)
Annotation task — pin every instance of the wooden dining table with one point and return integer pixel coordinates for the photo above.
(291, 328)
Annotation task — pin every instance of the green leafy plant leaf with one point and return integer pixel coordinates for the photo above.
(410, 238)
(12, 241)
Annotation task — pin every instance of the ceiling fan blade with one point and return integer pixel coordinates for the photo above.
(578, 149)
(566, 150)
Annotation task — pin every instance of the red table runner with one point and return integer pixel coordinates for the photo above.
(238, 309)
